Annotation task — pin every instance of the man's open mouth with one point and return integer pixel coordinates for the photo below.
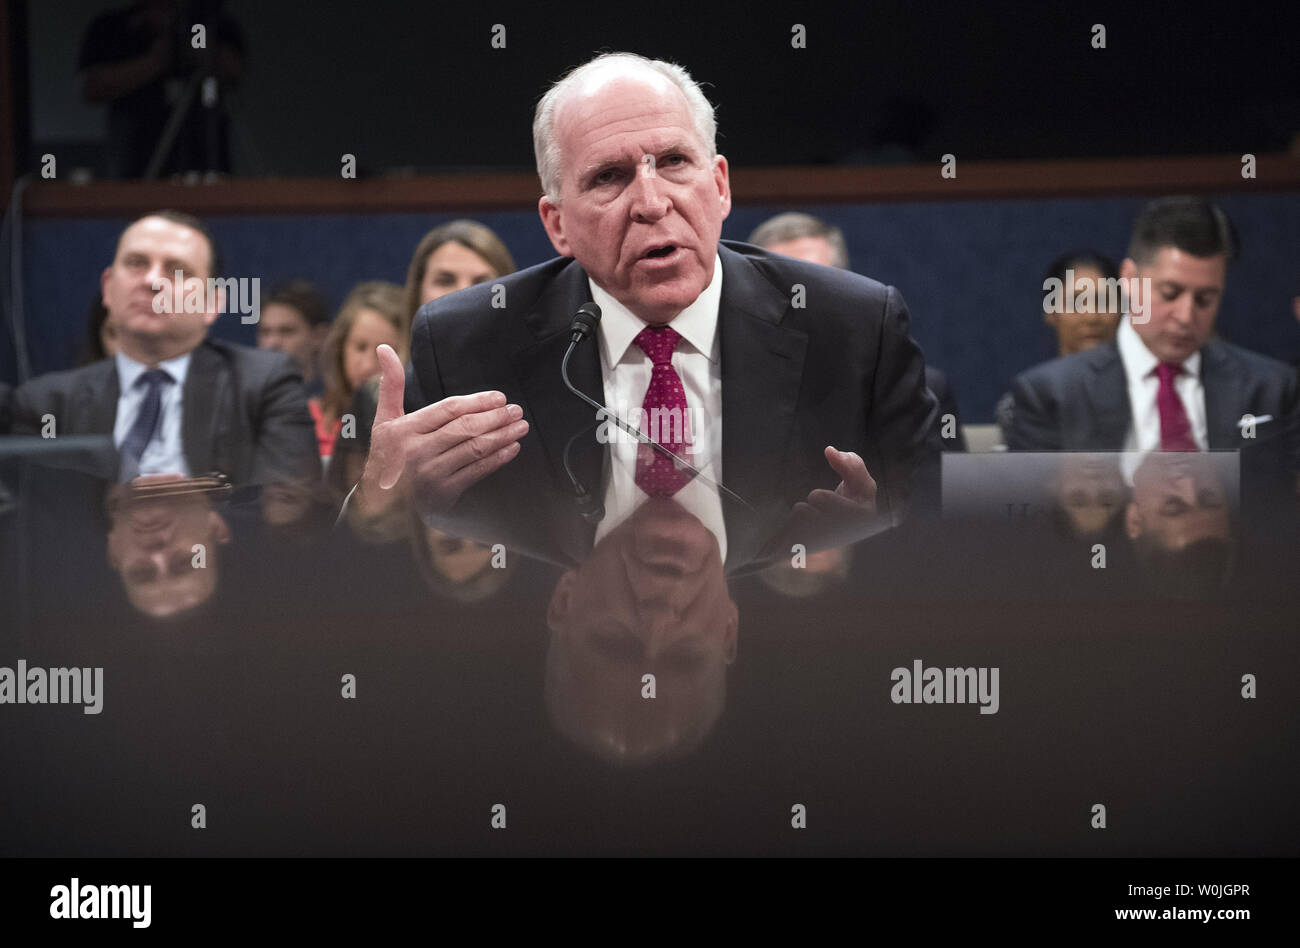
(660, 252)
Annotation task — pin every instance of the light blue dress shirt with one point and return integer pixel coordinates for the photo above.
(165, 453)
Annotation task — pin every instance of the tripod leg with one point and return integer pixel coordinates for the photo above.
(173, 127)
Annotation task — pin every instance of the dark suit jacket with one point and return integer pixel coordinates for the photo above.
(244, 413)
(936, 380)
(841, 371)
(1080, 403)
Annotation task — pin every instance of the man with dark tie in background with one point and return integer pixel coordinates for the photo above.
(1165, 382)
(797, 380)
(174, 401)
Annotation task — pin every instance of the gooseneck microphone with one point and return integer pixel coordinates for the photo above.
(585, 321)
(584, 324)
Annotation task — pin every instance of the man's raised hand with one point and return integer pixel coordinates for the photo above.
(444, 448)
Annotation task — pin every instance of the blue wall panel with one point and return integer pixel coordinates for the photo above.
(970, 271)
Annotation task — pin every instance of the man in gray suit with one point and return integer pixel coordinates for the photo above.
(1166, 382)
(173, 401)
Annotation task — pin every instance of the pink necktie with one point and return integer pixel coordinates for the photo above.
(1175, 429)
(664, 415)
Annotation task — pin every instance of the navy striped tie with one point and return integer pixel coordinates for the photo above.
(146, 422)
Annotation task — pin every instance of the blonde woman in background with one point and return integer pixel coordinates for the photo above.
(373, 314)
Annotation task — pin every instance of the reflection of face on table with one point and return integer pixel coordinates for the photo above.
(1090, 491)
(1178, 499)
(651, 599)
(151, 546)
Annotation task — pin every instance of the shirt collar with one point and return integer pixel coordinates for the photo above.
(1139, 361)
(129, 371)
(697, 324)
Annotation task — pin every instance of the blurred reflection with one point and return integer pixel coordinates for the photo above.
(457, 568)
(164, 545)
(651, 599)
(1180, 524)
(823, 571)
(286, 503)
(1089, 494)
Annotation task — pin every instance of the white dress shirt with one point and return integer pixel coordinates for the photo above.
(626, 370)
(165, 452)
(1143, 385)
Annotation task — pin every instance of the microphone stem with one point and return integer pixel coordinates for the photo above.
(636, 433)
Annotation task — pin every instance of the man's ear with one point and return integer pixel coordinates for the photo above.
(722, 178)
(319, 333)
(1132, 521)
(103, 285)
(1132, 291)
(553, 221)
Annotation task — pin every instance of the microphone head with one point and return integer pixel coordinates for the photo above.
(590, 508)
(585, 321)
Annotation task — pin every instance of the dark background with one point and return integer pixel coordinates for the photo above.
(417, 85)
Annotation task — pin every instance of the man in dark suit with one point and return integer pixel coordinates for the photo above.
(792, 376)
(174, 401)
(1165, 382)
(809, 238)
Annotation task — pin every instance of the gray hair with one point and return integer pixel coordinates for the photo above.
(795, 226)
(547, 150)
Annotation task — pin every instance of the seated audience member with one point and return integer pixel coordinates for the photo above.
(175, 401)
(294, 320)
(1086, 312)
(805, 237)
(448, 258)
(1079, 312)
(452, 257)
(1165, 382)
(372, 315)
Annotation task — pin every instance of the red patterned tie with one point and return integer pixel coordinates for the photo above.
(1175, 429)
(664, 416)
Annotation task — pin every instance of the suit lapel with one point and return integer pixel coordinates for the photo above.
(554, 413)
(1108, 395)
(762, 368)
(1224, 397)
(206, 384)
(96, 409)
